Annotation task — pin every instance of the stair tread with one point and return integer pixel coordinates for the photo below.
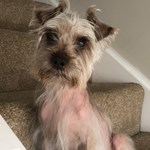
(107, 98)
(18, 115)
(142, 141)
(122, 103)
(16, 49)
(15, 14)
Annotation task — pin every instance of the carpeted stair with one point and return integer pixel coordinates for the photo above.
(15, 14)
(16, 49)
(122, 102)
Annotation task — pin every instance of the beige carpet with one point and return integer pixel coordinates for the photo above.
(142, 141)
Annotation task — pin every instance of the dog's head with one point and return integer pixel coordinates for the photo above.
(68, 45)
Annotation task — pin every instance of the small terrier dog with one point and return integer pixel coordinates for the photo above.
(67, 48)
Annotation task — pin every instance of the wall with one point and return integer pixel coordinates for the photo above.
(132, 18)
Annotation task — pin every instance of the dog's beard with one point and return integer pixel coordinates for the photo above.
(70, 76)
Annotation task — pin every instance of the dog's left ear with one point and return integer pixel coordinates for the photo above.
(101, 29)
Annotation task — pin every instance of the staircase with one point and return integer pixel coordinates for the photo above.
(122, 102)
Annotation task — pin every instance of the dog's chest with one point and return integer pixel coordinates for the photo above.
(70, 113)
(70, 117)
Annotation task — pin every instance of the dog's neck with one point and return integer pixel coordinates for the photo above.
(63, 92)
(62, 98)
(62, 88)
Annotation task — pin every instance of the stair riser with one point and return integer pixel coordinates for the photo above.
(122, 103)
(15, 14)
(16, 49)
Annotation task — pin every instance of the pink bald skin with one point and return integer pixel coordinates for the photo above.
(76, 122)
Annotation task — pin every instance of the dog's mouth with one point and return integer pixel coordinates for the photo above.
(61, 76)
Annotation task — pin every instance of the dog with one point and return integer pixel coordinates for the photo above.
(67, 48)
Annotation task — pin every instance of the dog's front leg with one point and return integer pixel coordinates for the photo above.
(99, 137)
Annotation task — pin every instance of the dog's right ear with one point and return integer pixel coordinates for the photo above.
(41, 15)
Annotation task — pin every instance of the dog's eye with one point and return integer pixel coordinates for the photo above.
(51, 37)
(82, 41)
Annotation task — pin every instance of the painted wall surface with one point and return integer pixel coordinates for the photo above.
(133, 41)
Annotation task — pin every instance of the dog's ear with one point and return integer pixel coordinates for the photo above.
(41, 15)
(101, 29)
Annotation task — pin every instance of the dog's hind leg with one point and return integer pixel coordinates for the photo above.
(122, 142)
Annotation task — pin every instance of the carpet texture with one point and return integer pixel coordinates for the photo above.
(122, 103)
(19, 116)
(15, 14)
(142, 141)
(16, 49)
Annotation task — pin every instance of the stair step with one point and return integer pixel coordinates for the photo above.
(142, 141)
(15, 14)
(18, 114)
(122, 103)
(16, 49)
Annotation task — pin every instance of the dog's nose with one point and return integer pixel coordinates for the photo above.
(59, 60)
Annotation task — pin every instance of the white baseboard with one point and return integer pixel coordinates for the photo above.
(114, 68)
